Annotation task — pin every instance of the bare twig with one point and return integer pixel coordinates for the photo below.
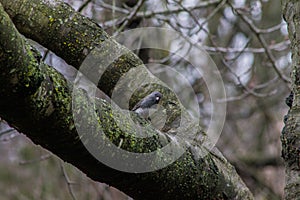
(276, 47)
(84, 5)
(111, 7)
(6, 131)
(150, 14)
(9, 137)
(43, 157)
(200, 5)
(272, 29)
(130, 17)
(213, 13)
(263, 42)
(69, 183)
(45, 55)
(247, 91)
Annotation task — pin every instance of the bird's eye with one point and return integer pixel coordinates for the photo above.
(157, 98)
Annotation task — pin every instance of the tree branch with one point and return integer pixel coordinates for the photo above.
(37, 101)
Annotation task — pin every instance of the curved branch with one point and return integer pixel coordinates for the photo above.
(37, 101)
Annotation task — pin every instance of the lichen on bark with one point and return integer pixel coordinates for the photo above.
(291, 132)
(45, 115)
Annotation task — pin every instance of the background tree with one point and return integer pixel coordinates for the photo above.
(248, 41)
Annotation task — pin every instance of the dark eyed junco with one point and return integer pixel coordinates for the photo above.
(143, 106)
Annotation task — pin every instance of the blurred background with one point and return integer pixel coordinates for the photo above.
(247, 40)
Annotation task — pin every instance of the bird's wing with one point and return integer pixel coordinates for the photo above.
(137, 105)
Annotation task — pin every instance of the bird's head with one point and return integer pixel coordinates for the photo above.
(156, 96)
(151, 99)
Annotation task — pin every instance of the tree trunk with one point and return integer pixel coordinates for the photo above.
(291, 133)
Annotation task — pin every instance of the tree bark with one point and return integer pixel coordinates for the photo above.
(37, 101)
(291, 133)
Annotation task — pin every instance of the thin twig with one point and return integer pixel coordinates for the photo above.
(111, 7)
(276, 47)
(42, 158)
(9, 137)
(130, 17)
(45, 55)
(69, 183)
(150, 14)
(200, 26)
(84, 5)
(7, 131)
(272, 29)
(262, 41)
(247, 91)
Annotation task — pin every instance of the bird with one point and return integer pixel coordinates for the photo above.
(143, 107)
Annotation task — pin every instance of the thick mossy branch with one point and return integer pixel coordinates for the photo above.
(56, 26)
(20, 71)
(39, 102)
(32, 93)
(81, 42)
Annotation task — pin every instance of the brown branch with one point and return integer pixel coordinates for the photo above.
(68, 182)
(85, 4)
(41, 158)
(263, 42)
(284, 45)
(124, 22)
(150, 14)
(39, 103)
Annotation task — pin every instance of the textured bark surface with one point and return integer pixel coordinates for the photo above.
(56, 26)
(37, 101)
(291, 132)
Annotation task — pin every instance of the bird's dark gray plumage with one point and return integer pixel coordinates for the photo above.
(143, 106)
